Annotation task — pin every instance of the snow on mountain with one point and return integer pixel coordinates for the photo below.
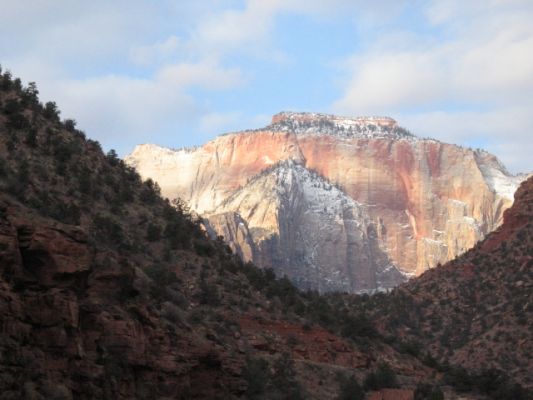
(310, 231)
(299, 185)
(345, 127)
(497, 177)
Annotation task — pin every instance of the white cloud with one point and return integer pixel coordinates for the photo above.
(217, 122)
(81, 56)
(232, 29)
(125, 110)
(232, 121)
(249, 28)
(482, 59)
(481, 63)
(206, 75)
(128, 70)
(386, 81)
(154, 54)
(499, 131)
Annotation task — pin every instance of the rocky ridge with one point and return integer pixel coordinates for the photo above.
(345, 127)
(425, 201)
(326, 240)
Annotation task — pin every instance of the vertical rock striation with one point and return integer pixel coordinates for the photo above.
(396, 202)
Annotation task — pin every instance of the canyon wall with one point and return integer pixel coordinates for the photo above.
(396, 202)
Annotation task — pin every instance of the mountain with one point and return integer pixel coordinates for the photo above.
(107, 290)
(350, 204)
(326, 239)
(476, 311)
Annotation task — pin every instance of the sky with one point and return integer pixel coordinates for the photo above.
(178, 73)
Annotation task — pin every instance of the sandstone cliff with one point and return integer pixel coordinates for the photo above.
(422, 202)
(307, 229)
(475, 311)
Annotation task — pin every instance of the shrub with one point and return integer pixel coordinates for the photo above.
(4, 168)
(171, 312)
(162, 277)
(112, 157)
(255, 373)
(383, 377)
(30, 95)
(153, 233)
(150, 192)
(425, 391)
(70, 125)
(24, 172)
(350, 389)
(208, 294)
(176, 233)
(68, 214)
(12, 106)
(357, 326)
(284, 384)
(430, 361)
(31, 137)
(411, 347)
(491, 382)
(109, 228)
(6, 82)
(115, 364)
(204, 248)
(51, 111)
(497, 385)
(15, 117)
(459, 378)
(62, 151)
(85, 181)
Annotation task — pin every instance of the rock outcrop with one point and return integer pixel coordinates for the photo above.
(421, 201)
(65, 333)
(475, 311)
(305, 228)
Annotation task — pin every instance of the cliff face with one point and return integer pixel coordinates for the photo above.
(475, 311)
(422, 202)
(307, 229)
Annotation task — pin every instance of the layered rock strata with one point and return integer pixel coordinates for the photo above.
(415, 202)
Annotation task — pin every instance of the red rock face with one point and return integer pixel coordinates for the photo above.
(315, 344)
(391, 394)
(475, 310)
(66, 328)
(428, 201)
(68, 333)
(516, 218)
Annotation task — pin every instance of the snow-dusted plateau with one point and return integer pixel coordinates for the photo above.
(336, 203)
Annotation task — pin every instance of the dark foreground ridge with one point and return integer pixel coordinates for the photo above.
(109, 291)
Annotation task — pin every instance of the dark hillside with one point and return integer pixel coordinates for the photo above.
(109, 291)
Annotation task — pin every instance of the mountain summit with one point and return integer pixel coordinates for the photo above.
(303, 122)
(392, 205)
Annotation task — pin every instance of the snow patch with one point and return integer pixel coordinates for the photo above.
(344, 127)
(498, 179)
(501, 183)
(267, 160)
